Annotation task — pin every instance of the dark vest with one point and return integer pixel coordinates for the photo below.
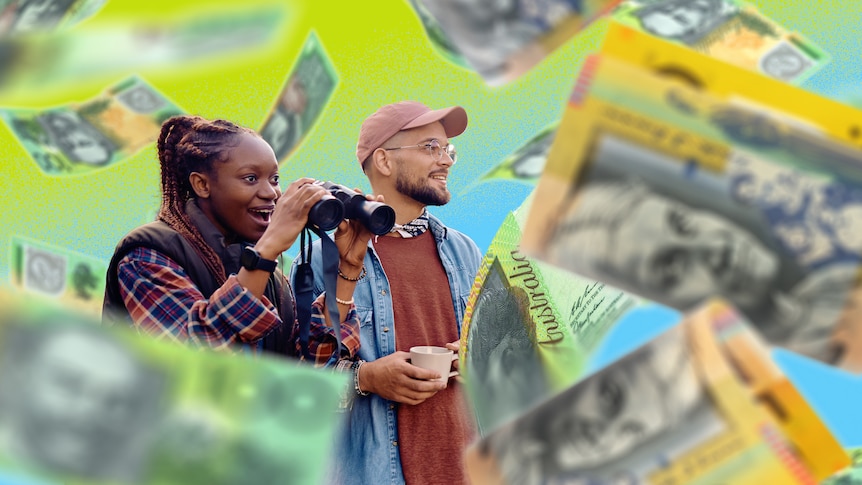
(162, 238)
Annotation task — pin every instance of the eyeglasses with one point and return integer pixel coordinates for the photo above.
(435, 150)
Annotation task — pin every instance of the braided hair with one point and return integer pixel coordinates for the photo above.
(192, 144)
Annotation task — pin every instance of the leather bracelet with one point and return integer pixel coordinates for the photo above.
(361, 274)
(344, 302)
(356, 366)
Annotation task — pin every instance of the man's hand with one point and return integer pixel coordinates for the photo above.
(456, 346)
(394, 378)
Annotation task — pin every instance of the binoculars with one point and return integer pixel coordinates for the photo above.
(345, 203)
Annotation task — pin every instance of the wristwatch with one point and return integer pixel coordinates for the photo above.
(251, 260)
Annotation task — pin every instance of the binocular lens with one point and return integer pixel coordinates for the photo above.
(326, 214)
(381, 220)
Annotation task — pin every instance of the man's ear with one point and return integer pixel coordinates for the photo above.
(382, 162)
(200, 183)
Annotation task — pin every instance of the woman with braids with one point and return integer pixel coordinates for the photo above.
(205, 271)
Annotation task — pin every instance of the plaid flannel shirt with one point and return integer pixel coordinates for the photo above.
(164, 302)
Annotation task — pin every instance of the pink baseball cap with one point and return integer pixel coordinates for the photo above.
(384, 123)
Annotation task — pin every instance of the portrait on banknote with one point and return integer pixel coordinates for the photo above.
(78, 140)
(503, 364)
(36, 15)
(303, 97)
(76, 402)
(616, 425)
(282, 130)
(674, 234)
(489, 32)
(687, 21)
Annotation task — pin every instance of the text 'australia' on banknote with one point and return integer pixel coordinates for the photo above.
(668, 192)
(305, 94)
(529, 328)
(83, 137)
(84, 403)
(701, 403)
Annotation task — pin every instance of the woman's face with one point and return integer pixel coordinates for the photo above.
(243, 190)
(684, 255)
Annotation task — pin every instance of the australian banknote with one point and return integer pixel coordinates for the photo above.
(23, 17)
(527, 162)
(70, 278)
(208, 38)
(529, 328)
(701, 403)
(674, 61)
(504, 40)
(304, 96)
(666, 191)
(82, 403)
(82, 137)
(731, 30)
(436, 36)
(851, 475)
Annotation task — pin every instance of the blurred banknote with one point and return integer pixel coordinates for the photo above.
(701, 403)
(19, 17)
(668, 192)
(306, 92)
(675, 61)
(436, 36)
(80, 138)
(51, 60)
(73, 279)
(82, 403)
(529, 328)
(527, 162)
(730, 30)
(851, 475)
(503, 40)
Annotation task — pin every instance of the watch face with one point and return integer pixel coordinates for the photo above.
(251, 260)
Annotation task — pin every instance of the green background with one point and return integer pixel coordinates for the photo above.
(381, 55)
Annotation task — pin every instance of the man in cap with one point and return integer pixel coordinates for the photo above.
(403, 426)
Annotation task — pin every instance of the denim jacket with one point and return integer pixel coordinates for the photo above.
(366, 443)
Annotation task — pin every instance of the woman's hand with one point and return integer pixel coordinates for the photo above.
(289, 217)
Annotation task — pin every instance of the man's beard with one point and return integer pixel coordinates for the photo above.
(423, 194)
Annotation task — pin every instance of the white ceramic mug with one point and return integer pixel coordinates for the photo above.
(438, 359)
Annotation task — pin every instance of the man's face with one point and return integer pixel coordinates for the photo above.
(686, 255)
(81, 404)
(417, 174)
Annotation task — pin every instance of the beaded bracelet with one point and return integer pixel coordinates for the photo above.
(344, 302)
(356, 366)
(361, 274)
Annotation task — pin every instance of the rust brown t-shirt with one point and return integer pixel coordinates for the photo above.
(432, 435)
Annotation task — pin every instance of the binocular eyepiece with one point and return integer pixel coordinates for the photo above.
(345, 203)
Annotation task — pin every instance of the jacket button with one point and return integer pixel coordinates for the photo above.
(391, 406)
(385, 329)
(383, 292)
(394, 443)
